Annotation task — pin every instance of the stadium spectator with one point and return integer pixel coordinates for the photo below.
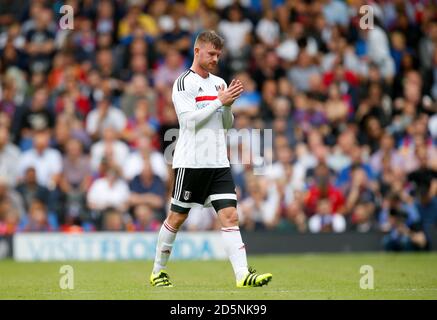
(46, 161)
(109, 147)
(148, 189)
(74, 182)
(135, 161)
(108, 192)
(104, 116)
(137, 90)
(113, 220)
(38, 219)
(34, 118)
(237, 32)
(40, 45)
(11, 206)
(29, 189)
(167, 72)
(9, 157)
(141, 124)
(323, 189)
(250, 99)
(260, 210)
(405, 232)
(325, 220)
(361, 201)
(144, 219)
(135, 16)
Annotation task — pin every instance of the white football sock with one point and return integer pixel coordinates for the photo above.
(236, 250)
(166, 237)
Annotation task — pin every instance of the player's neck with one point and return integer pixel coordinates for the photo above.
(199, 70)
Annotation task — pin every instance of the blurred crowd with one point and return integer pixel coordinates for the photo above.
(350, 96)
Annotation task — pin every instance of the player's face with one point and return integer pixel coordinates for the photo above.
(208, 56)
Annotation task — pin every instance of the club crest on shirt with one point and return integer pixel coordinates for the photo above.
(187, 195)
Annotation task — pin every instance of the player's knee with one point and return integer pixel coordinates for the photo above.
(229, 216)
(176, 219)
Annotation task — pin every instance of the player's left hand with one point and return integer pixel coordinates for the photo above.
(235, 84)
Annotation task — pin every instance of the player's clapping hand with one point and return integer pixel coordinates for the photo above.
(232, 93)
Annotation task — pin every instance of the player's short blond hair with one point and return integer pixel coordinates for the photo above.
(210, 36)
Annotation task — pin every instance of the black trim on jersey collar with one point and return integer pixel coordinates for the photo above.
(198, 74)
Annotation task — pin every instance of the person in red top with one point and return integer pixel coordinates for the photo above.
(323, 188)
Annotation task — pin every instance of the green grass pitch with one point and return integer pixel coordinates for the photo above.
(303, 276)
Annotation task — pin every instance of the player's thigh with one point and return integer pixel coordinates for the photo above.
(189, 189)
(222, 191)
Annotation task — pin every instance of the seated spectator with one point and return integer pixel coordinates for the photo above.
(141, 124)
(360, 201)
(148, 189)
(326, 220)
(424, 187)
(386, 148)
(40, 44)
(344, 176)
(135, 91)
(75, 181)
(307, 113)
(136, 17)
(9, 222)
(336, 107)
(134, 163)
(172, 67)
(260, 210)
(323, 189)
(201, 219)
(35, 118)
(108, 192)
(250, 100)
(29, 189)
(405, 231)
(304, 69)
(103, 116)
(108, 147)
(11, 208)
(144, 219)
(9, 157)
(38, 219)
(113, 220)
(46, 161)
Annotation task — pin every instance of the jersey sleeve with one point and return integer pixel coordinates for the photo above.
(184, 98)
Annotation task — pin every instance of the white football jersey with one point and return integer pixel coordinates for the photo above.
(200, 145)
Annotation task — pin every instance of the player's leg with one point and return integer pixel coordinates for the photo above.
(186, 193)
(224, 200)
(166, 238)
(232, 240)
(167, 234)
(235, 248)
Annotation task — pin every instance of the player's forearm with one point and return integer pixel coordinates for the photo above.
(228, 117)
(198, 117)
